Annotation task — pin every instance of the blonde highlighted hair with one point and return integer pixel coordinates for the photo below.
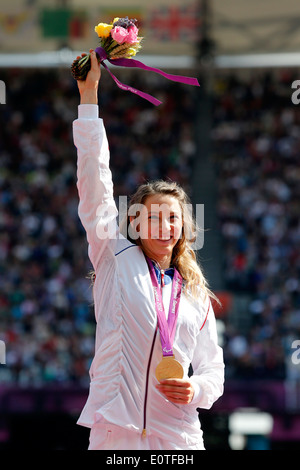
(184, 257)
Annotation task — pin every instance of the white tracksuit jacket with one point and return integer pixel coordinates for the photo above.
(128, 348)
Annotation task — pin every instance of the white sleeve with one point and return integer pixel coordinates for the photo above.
(97, 209)
(208, 365)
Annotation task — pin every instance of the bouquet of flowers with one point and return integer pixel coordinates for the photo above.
(119, 40)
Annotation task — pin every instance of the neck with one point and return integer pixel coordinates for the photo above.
(164, 262)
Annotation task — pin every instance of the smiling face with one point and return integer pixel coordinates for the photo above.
(160, 227)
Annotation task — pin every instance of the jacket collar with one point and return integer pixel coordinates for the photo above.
(168, 273)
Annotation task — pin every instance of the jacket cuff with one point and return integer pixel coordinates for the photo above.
(88, 111)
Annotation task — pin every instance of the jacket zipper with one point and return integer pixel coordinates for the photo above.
(147, 383)
(162, 273)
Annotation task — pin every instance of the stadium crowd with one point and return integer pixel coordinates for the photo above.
(46, 312)
(257, 154)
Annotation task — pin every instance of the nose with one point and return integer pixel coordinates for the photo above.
(165, 227)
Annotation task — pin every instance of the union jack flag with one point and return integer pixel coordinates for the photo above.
(175, 23)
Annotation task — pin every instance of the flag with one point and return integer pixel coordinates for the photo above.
(55, 22)
(175, 23)
(63, 23)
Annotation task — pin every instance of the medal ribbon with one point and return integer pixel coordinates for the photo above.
(136, 63)
(167, 328)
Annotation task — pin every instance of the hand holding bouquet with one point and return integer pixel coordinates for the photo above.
(119, 42)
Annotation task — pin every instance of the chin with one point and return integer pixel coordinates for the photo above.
(160, 248)
(167, 252)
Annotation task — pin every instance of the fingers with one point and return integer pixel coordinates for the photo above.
(178, 397)
(179, 391)
(177, 382)
(80, 56)
(94, 61)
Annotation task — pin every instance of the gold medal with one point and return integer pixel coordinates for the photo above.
(169, 368)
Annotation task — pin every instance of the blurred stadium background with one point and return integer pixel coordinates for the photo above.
(233, 144)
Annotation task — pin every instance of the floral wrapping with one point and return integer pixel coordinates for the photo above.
(119, 43)
(119, 40)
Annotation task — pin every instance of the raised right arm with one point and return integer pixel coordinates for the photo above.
(97, 209)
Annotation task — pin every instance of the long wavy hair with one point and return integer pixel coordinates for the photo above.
(183, 256)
